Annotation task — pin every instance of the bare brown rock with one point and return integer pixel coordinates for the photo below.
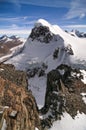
(21, 113)
(8, 71)
(17, 104)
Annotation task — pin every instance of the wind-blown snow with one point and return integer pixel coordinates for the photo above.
(42, 22)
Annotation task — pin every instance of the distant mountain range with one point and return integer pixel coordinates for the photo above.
(9, 46)
(77, 33)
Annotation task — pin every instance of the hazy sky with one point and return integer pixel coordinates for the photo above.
(19, 16)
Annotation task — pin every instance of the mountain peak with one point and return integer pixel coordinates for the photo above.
(42, 22)
(4, 37)
(14, 37)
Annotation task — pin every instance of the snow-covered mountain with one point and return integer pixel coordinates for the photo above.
(10, 46)
(14, 37)
(47, 47)
(78, 33)
(4, 37)
(42, 43)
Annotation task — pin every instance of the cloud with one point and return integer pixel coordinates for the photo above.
(77, 9)
(10, 31)
(29, 22)
(23, 21)
(48, 3)
(82, 15)
(75, 26)
(14, 26)
(15, 29)
(13, 18)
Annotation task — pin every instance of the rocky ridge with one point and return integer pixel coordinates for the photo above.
(18, 109)
(43, 34)
(10, 46)
(63, 94)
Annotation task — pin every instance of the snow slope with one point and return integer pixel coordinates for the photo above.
(78, 44)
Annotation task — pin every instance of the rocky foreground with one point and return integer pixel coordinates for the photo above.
(18, 108)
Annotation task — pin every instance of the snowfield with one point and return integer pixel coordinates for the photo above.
(36, 52)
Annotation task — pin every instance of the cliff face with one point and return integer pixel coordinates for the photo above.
(17, 105)
(63, 94)
(41, 34)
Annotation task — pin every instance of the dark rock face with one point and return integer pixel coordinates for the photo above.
(55, 54)
(64, 88)
(17, 104)
(69, 50)
(38, 69)
(41, 34)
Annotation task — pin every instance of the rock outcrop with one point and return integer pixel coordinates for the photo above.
(63, 93)
(18, 109)
(7, 71)
(41, 34)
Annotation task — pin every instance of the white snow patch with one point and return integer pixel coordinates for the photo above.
(84, 76)
(2, 47)
(36, 128)
(2, 108)
(7, 40)
(1, 69)
(67, 123)
(61, 71)
(13, 113)
(38, 87)
(4, 126)
(84, 97)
